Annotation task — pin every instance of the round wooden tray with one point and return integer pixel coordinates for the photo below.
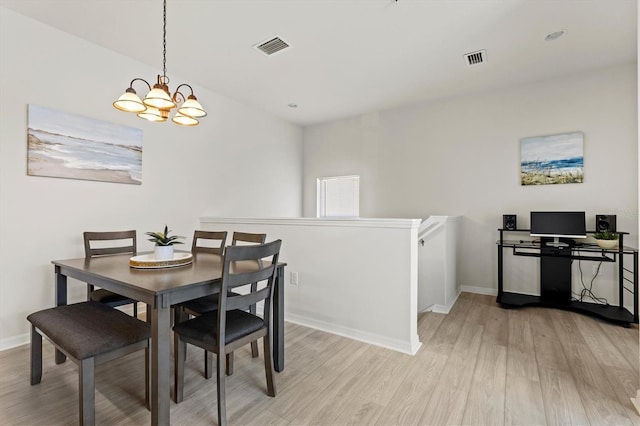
(148, 261)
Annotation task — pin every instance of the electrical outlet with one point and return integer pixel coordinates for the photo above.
(293, 278)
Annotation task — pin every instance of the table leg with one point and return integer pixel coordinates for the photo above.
(278, 320)
(160, 370)
(61, 299)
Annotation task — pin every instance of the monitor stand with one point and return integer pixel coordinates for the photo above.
(556, 243)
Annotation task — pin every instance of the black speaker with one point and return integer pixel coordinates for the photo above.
(605, 222)
(509, 222)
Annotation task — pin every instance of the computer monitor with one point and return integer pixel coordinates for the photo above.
(558, 225)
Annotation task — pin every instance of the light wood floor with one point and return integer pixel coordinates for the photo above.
(479, 365)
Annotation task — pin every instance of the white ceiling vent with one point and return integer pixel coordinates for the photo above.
(272, 46)
(476, 58)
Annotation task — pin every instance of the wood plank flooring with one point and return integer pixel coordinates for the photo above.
(478, 365)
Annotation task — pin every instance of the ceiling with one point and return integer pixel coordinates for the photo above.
(350, 57)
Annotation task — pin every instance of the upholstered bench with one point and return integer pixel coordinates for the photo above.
(89, 333)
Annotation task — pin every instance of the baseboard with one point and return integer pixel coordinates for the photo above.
(14, 341)
(636, 401)
(443, 309)
(371, 338)
(479, 290)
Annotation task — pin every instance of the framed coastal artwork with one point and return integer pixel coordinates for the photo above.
(64, 145)
(553, 159)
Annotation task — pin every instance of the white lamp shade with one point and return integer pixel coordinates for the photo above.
(154, 114)
(184, 120)
(192, 108)
(158, 98)
(129, 102)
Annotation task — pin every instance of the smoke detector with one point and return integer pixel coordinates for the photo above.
(475, 58)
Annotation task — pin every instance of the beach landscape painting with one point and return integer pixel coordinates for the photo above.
(552, 159)
(72, 146)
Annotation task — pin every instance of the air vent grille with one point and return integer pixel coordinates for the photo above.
(272, 46)
(476, 58)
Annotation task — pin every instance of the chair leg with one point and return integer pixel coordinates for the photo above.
(36, 356)
(229, 364)
(220, 375)
(208, 364)
(135, 309)
(178, 370)
(268, 366)
(90, 289)
(87, 392)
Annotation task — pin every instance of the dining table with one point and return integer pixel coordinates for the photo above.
(160, 288)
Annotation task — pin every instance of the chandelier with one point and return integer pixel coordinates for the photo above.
(159, 102)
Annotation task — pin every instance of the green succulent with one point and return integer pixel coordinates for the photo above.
(163, 238)
(605, 235)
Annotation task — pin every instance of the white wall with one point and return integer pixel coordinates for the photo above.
(356, 277)
(461, 156)
(238, 162)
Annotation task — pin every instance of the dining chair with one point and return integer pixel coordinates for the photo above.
(107, 244)
(210, 303)
(231, 326)
(220, 237)
(245, 237)
(88, 333)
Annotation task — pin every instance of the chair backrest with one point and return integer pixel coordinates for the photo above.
(217, 248)
(243, 266)
(248, 238)
(118, 238)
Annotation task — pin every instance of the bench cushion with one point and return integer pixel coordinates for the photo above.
(87, 329)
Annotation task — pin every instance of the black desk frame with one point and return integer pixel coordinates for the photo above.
(555, 277)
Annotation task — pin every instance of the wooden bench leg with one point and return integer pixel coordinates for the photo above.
(87, 391)
(36, 356)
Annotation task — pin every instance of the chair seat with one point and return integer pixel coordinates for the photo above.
(204, 304)
(79, 328)
(109, 298)
(203, 327)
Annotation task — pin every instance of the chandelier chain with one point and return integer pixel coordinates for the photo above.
(164, 39)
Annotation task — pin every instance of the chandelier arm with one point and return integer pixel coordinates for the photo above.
(182, 96)
(178, 97)
(139, 79)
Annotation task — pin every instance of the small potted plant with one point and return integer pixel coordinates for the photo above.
(164, 242)
(606, 239)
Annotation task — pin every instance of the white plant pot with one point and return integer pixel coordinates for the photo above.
(607, 244)
(163, 252)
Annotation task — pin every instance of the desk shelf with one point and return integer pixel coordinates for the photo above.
(611, 313)
(555, 277)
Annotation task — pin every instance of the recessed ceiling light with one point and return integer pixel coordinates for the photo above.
(555, 35)
(292, 105)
